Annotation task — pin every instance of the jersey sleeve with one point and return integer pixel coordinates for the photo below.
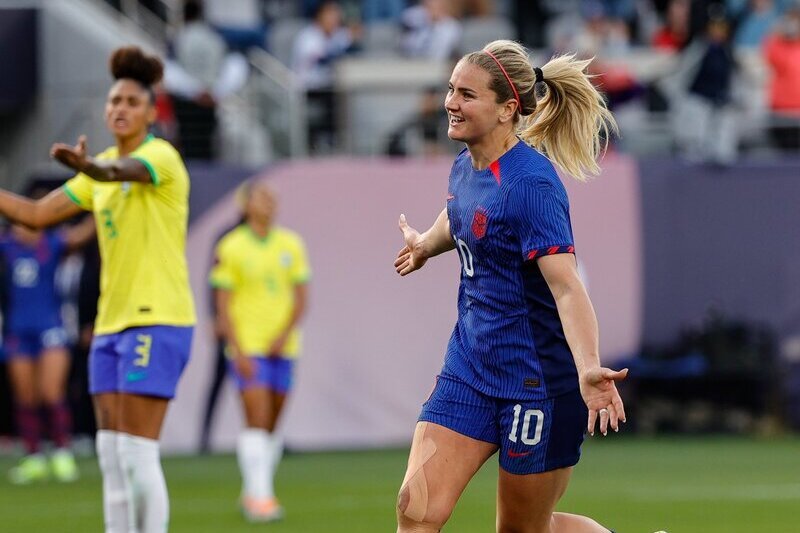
(539, 216)
(161, 160)
(80, 190)
(300, 271)
(222, 275)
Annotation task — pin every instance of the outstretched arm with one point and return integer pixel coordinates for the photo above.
(419, 247)
(580, 328)
(37, 214)
(122, 169)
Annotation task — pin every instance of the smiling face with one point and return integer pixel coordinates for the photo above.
(472, 108)
(129, 109)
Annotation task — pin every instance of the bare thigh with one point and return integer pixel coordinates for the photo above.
(525, 503)
(134, 414)
(22, 378)
(256, 405)
(440, 465)
(276, 403)
(53, 366)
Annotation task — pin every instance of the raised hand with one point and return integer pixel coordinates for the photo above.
(600, 393)
(412, 256)
(72, 156)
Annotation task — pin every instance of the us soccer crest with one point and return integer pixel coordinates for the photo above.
(479, 223)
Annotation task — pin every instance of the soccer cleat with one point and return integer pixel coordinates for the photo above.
(63, 465)
(266, 510)
(30, 469)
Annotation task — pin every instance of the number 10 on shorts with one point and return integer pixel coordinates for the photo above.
(526, 426)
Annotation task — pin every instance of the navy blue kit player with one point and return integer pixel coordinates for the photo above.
(522, 374)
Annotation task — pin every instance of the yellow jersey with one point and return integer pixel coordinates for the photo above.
(141, 230)
(261, 275)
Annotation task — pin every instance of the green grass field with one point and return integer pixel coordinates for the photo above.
(632, 485)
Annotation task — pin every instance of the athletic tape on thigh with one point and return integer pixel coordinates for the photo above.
(414, 491)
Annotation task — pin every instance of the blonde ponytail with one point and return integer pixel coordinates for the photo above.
(571, 123)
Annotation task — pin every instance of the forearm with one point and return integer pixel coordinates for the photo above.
(37, 214)
(438, 238)
(579, 322)
(298, 310)
(19, 210)
(225, 322)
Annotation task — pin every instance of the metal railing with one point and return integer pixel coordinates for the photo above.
(280, 103)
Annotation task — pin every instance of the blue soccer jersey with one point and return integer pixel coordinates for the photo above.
(34, 304)
(508, 341)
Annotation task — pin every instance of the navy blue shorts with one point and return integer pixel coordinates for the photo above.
(273, 373)
(146, 360)
(532, 436)
(30, 344)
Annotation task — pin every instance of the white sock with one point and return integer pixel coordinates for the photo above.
(274, 454)
(115, 500)
(252, 452)
(142, 465)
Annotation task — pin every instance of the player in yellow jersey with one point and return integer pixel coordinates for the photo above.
(138, 190)
(261, 279)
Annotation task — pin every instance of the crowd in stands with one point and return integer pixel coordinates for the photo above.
(734, 65)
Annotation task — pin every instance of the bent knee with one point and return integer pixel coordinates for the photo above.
(416, 513)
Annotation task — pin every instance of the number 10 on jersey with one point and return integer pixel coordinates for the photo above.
(466, 257)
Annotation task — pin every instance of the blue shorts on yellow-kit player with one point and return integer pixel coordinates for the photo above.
(261, 275)
(144, 360)
(275, 373)
(143, 330)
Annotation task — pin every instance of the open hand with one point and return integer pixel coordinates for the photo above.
(412, 256)
(599, 391)
(72, 156)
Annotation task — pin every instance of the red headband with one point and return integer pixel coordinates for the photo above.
(513, 88)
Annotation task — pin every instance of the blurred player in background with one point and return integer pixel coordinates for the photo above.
(35, 341)
(261, 280)
(522, 365)
(138, 190)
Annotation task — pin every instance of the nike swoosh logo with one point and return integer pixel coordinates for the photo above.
(512, 453)
(135, 376)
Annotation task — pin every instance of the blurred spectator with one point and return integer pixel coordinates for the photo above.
(316, 49)
(473, 8)
(757, 23)
(424, 132)
(200, 76)
(199, 51)
(782, 52)
(239, 22)
(672, 36)
(705, 128)
(430, 31)
(377, 10)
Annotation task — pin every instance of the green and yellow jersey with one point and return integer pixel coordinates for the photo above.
(141, 229)
(261, 275)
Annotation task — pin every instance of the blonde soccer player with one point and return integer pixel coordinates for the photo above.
(260, 277)
(138, 190)
(522, 375)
